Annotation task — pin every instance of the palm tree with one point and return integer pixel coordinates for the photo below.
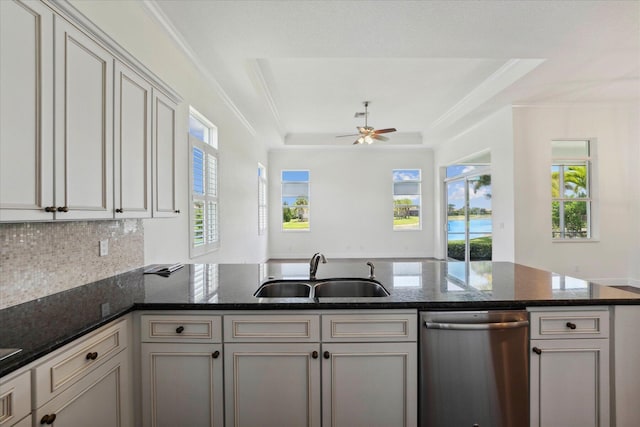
(482, 181)
(575, 186)
(575, 180)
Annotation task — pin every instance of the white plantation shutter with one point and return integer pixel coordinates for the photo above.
(406, 188)
(262, 199)
(212, 222)
(212, 175)
(295, 189)
(204, 219)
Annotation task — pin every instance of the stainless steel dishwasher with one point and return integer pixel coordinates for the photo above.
(474, 369)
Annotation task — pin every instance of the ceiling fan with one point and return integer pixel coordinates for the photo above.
(366, 134)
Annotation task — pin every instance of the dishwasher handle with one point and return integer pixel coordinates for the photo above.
(477, 326)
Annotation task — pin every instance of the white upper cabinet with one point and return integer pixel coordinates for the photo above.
(132, 144)
(164, 146)
(83, 124)
(26, 111)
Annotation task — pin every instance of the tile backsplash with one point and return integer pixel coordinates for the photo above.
(39, 259)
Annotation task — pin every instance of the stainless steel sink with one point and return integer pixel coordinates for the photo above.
(284, 289)
(8, 352)
(349, 288)
(323, 288)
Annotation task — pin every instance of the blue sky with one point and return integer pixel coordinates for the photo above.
(455, 195)
(406, 175)
(295, 176)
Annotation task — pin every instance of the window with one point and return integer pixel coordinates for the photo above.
(406, 199)
(203, 143)
(295, 200)
(262, 199)
(570, 190)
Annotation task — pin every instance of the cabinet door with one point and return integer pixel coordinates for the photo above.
(272, 385)
(369, 384)
(164, 146)
(101, 399)
(132, 139)
(182, 385)
(84, 113)
(25, 422)
(26, 111)
(15, 399)
(570, 383)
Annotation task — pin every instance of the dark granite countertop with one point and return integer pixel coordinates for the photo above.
(43, 325)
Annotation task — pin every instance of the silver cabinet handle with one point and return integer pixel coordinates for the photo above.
(476, 326)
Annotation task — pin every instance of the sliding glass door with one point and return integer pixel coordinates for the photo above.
(468, 201)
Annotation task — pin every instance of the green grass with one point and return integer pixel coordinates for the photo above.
(295, 224)
(412, 220)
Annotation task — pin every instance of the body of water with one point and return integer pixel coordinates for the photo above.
(477, 228)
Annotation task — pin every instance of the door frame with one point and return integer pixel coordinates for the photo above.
(479, 170)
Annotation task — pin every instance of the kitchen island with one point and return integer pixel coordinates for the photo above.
(192, 346)
(43, 325)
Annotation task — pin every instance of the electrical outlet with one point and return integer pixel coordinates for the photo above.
(104, 247)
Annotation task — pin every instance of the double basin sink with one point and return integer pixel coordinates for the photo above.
(322, 288)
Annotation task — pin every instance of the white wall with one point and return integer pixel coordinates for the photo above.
(615, 254)
(166, 240)
(496, 135)
(633, 165)
(351, 203)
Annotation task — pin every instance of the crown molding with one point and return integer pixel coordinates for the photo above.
(507, 74)
(161, 18)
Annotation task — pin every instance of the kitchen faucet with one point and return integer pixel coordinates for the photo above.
(371, 269)
(313, 264)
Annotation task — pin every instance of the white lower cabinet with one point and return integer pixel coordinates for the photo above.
(15, 399)
(361, 371)
(626, 366)
(181, 370)
(570, 368)
(25, 422)
(182, 384)
(370, 369)
(369, 384)
(101, 399)
(272, 384)
(87, 382)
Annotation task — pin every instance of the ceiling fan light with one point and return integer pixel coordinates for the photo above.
(361, 140)
(368, 139)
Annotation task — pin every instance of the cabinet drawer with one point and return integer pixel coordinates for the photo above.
(177, 328)
(15, 398)
(276, 328)
(102, 398)
(74, 361)
(569, 324)
(369, 327)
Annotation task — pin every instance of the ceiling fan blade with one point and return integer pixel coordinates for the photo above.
(379, 137)
(384, 130)
(356, 142)
(352, 134)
